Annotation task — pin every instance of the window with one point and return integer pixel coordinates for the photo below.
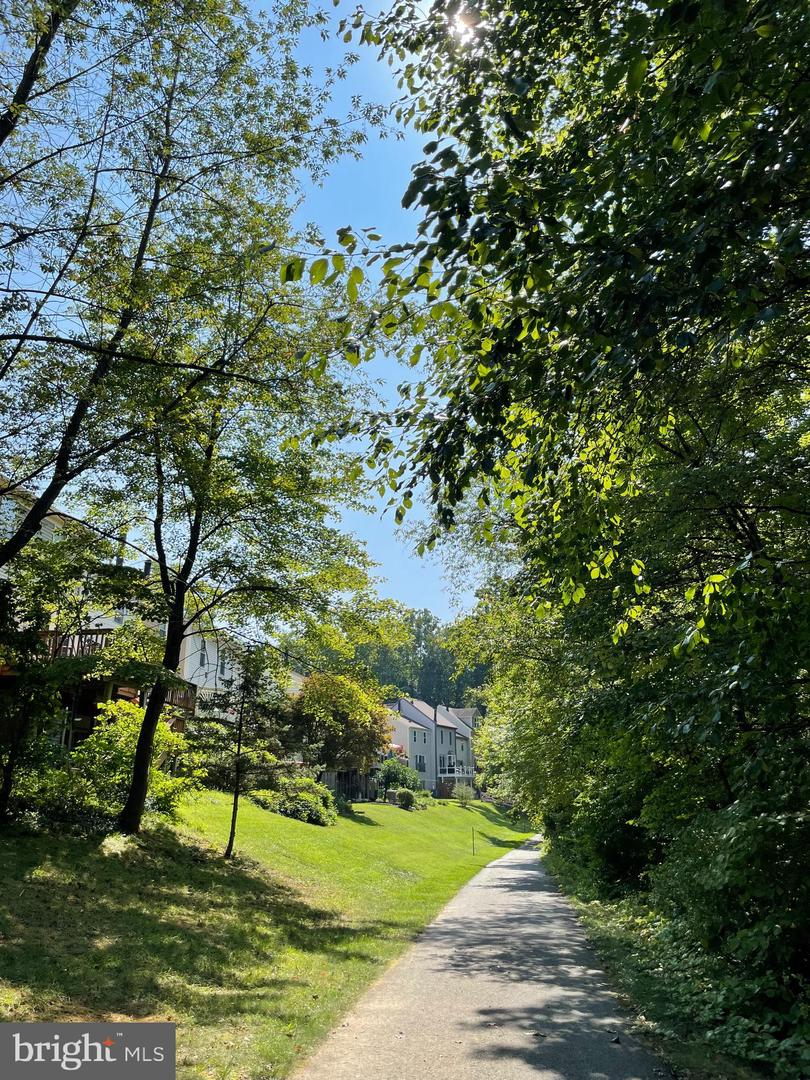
(203, 655)
(414, 736)
(424, 737)
(441, 733)
(223, 667)
(419, 762)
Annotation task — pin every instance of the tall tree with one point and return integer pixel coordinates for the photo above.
(238, 516)
(615, 217)
(143, 164)
(337, 723)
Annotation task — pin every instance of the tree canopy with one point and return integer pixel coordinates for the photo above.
(609, 303)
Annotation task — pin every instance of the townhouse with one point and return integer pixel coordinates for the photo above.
(438, 741)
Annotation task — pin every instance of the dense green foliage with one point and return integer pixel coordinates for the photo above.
(299, 797)
(87, 788)
(336, 723)
(394, 773)
(156, 325)
(423, 666)
(405, 650)
(406, 798)
(612, 284)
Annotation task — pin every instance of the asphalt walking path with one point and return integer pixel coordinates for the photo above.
(501, 986)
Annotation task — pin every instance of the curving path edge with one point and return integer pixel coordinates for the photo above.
(501, 986)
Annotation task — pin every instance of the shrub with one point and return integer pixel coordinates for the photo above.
(343, 805)
(406, 798)
(463, 794)
(396, 774)
(422, 799)
(301, 798)
(91, 784)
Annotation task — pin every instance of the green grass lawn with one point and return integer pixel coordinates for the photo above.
(254, 960)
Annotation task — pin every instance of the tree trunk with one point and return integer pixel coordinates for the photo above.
(129, 820)
(237, 783)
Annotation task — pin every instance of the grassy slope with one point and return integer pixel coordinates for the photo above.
(253, 960)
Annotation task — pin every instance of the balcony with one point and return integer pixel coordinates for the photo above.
(88, 642)
(183, 697)
(83, 643)
(457, 772)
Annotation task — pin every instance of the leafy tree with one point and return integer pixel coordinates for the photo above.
(239, 520)
(103, 759)
(338, 724)
(610, 286)
(423, 666)
(148, 151)
(58, 589)
(394, 773)
(27, 704)
(235, 729)
(88, 787)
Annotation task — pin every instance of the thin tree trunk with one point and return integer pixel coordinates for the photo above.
(58, 13)
(238, 782)
(129, 820)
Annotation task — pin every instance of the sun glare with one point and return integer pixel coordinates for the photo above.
(465, 23)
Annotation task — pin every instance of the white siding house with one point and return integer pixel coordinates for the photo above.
(421, 738)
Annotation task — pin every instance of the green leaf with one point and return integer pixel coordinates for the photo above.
(637, 74)
(317, 270)
(292, 270)
(355, 279)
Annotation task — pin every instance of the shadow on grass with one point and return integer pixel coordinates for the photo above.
(91, 928)
(358, 816)
(497, 817)
(499, 841)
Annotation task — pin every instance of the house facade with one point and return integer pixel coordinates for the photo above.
(439, 741)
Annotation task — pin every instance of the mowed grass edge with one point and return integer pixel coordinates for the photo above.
(254, 960)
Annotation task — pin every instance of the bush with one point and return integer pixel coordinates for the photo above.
(463, 794)
(422, 799)
(301, 798)
(406, 798)
(396, 774)
(343, 805)
(91, 784)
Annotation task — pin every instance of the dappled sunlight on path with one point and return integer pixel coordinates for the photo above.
(502, 985)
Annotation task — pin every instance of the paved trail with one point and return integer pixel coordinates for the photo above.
(502, 986)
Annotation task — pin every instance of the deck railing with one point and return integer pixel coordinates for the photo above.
(88, 642)
(82, 643)
(466, 771)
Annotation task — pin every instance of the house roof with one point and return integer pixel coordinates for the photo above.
(445, 718)
(423, 707)
(465, 714)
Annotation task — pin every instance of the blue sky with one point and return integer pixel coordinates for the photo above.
(362, 194)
